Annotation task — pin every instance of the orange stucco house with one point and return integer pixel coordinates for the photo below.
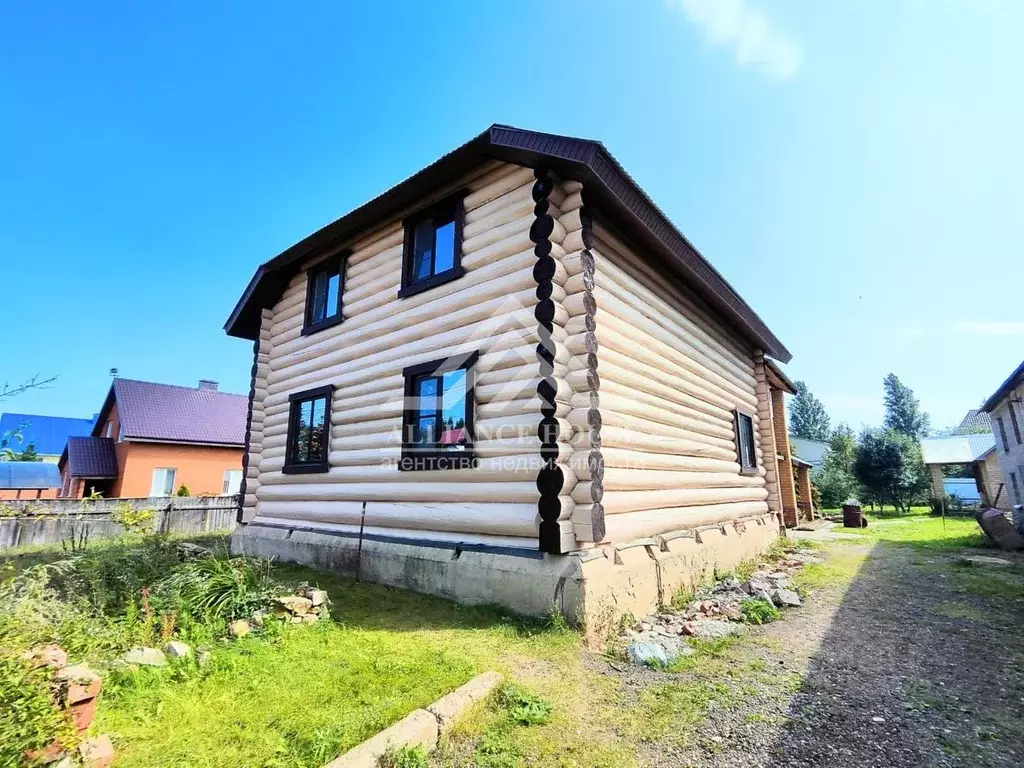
(150, 439)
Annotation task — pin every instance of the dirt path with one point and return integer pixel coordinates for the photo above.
(905, 659)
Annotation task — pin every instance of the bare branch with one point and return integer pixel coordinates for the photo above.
(6, 390)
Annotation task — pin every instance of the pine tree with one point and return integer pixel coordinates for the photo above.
(903, 410)
(807, 416)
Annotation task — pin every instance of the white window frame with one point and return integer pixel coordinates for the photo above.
(165, 488)
(229, 475)
(110, 429)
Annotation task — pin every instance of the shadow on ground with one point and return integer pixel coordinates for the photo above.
(919, 666)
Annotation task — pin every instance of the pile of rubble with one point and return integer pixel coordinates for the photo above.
(715, 613)
(76, 689)
(307, 605)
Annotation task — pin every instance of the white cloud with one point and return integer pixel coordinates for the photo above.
(991, 328)
(754, 39)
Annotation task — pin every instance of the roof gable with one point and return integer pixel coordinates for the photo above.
(607, 185)
(169, 413)
(49, 434)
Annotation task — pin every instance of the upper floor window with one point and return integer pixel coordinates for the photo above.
(437, 424)
(110, 429)
(324, 287)
(309, 431)
(432, 254)
(1002, 434)
(1013, 422)
(745, 449)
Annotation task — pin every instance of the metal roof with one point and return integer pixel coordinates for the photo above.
(958, 449)
(169, 413)
(48, 434)
(16, 475)
(91, 457)
(975, 419)
(607, 185)
(811, 451)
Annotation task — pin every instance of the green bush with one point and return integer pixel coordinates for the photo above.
(523, 707)
(30, 721)
(183, 491)
(220, 590)
(758, 611)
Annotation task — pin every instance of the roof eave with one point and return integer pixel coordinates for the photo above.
(1006, 386)
(581, 159)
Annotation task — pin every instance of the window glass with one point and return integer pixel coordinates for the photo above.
(453, 411)
(232, 481)
(163, 482)
(423, 250)
(444, 247)
(439, 412)
(333, 289)
(309, 432)
(324, 302)
(747, 450)
(319, 297)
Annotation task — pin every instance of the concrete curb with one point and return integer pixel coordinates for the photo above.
(422, 727)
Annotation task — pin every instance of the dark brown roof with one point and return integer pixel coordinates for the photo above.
(608, 185)
(91, 457)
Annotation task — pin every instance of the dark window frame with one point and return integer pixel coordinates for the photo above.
(295, 400)
(1002, 434)
(335, 264)
(453, 205)
(1013, 421)
(737, 415)
(415, 458)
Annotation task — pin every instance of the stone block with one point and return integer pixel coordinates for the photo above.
(448, 708)
(97, 752)
(416, 729)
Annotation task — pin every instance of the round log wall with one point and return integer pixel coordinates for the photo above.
(671, 375)
(493, 308)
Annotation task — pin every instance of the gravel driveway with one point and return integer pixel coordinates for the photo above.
(905, 663)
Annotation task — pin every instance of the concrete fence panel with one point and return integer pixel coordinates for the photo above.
(50, 521)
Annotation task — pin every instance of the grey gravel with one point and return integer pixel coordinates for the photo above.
(904, 668)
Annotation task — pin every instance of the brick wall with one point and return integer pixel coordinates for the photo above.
(999, 464)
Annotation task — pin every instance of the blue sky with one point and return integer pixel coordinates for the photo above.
(853, 168)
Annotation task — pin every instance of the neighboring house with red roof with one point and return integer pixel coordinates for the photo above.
(150, 439)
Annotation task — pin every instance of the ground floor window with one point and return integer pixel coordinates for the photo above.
(163, 481)
(745, 449)
(232, 481)
(437, 424)
(309, 431)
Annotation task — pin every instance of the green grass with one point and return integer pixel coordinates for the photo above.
(311, 693)
(922, 530)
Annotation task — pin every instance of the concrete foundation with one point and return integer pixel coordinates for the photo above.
(593, 588)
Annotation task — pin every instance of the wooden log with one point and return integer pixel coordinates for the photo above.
(426, 535)
(645, 427)
(638, 525)
(412, 492)
(617, 502)
(631, 439)
(521, 468)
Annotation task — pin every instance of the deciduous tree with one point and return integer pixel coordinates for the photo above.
(889, 467)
